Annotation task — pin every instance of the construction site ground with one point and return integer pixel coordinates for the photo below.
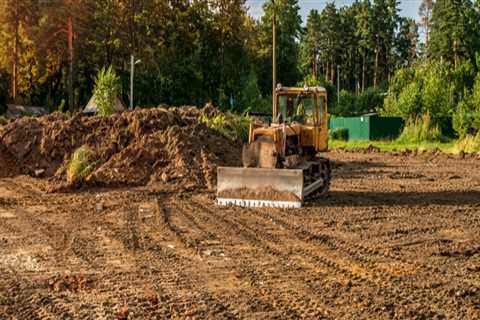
(398, 237)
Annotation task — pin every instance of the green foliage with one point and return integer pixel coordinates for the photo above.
(434, 87)
(370, 100)
(420, 130)
(346, 106)
(3, 121)
(232, 126)
(466, 118)
(250, 95)
(81, 165)
(339, 134)
(107, 88)
(455, 34)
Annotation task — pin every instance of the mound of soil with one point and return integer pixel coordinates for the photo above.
(8, 167)
(132, 148)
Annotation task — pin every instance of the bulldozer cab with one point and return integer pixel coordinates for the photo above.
(303, 105)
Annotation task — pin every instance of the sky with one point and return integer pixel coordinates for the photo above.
(409, 8)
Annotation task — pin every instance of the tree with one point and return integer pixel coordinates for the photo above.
(310, 47)
(454, 31)
(363, 33)
(330, 40)
(289, 31)
(406, 43)
(425, 13)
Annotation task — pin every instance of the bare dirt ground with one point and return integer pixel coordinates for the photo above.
(397, 238)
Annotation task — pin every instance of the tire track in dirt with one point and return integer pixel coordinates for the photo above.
(254, 236)
(379, 280)
(159, 267)
(380, 276)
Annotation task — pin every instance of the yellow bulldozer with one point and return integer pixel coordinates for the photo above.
(281, 166)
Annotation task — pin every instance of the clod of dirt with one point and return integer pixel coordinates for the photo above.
(73, 283)
(132, 148)
(123, 313)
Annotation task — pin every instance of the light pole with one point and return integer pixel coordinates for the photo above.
(132, 71)
(274, 61)
(338, 85)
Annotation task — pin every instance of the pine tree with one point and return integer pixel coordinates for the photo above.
(425, 13)
(310, 47)
(289, 31)
(454, 31)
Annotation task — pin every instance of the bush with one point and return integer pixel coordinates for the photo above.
(339, 134)
(346, 107)
(370, 100)
(232, 126)
(436, 88)
(250, 96)
(107, 88)
(80, 166)
(420, 129)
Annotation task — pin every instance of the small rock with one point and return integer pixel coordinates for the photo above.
(99, 207)
(164, 177)
(39, 172)
(207, 252)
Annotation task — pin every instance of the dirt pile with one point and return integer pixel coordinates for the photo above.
(132, 148)
(8, 166)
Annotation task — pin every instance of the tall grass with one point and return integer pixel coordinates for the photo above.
(420, 130)
(468, 144)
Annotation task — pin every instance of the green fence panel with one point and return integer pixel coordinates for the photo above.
(385, 127)
(368, 127)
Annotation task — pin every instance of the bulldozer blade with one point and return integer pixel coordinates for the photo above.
(259, 187)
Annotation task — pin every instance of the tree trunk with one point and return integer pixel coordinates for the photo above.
(70, 64)
(327, 72)
(15, 56)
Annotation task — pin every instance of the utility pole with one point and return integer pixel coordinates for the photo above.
(132, 74)
(15, 55)
(274, 61)
(338, 84)
(70, 62)
(132, 70)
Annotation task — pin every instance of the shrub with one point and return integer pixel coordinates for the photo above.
(107, 88)
(234, 127)
(339, 134)
(80, 166)
(346, 107)
(369, 101)
(250, 96)
(420, 129)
